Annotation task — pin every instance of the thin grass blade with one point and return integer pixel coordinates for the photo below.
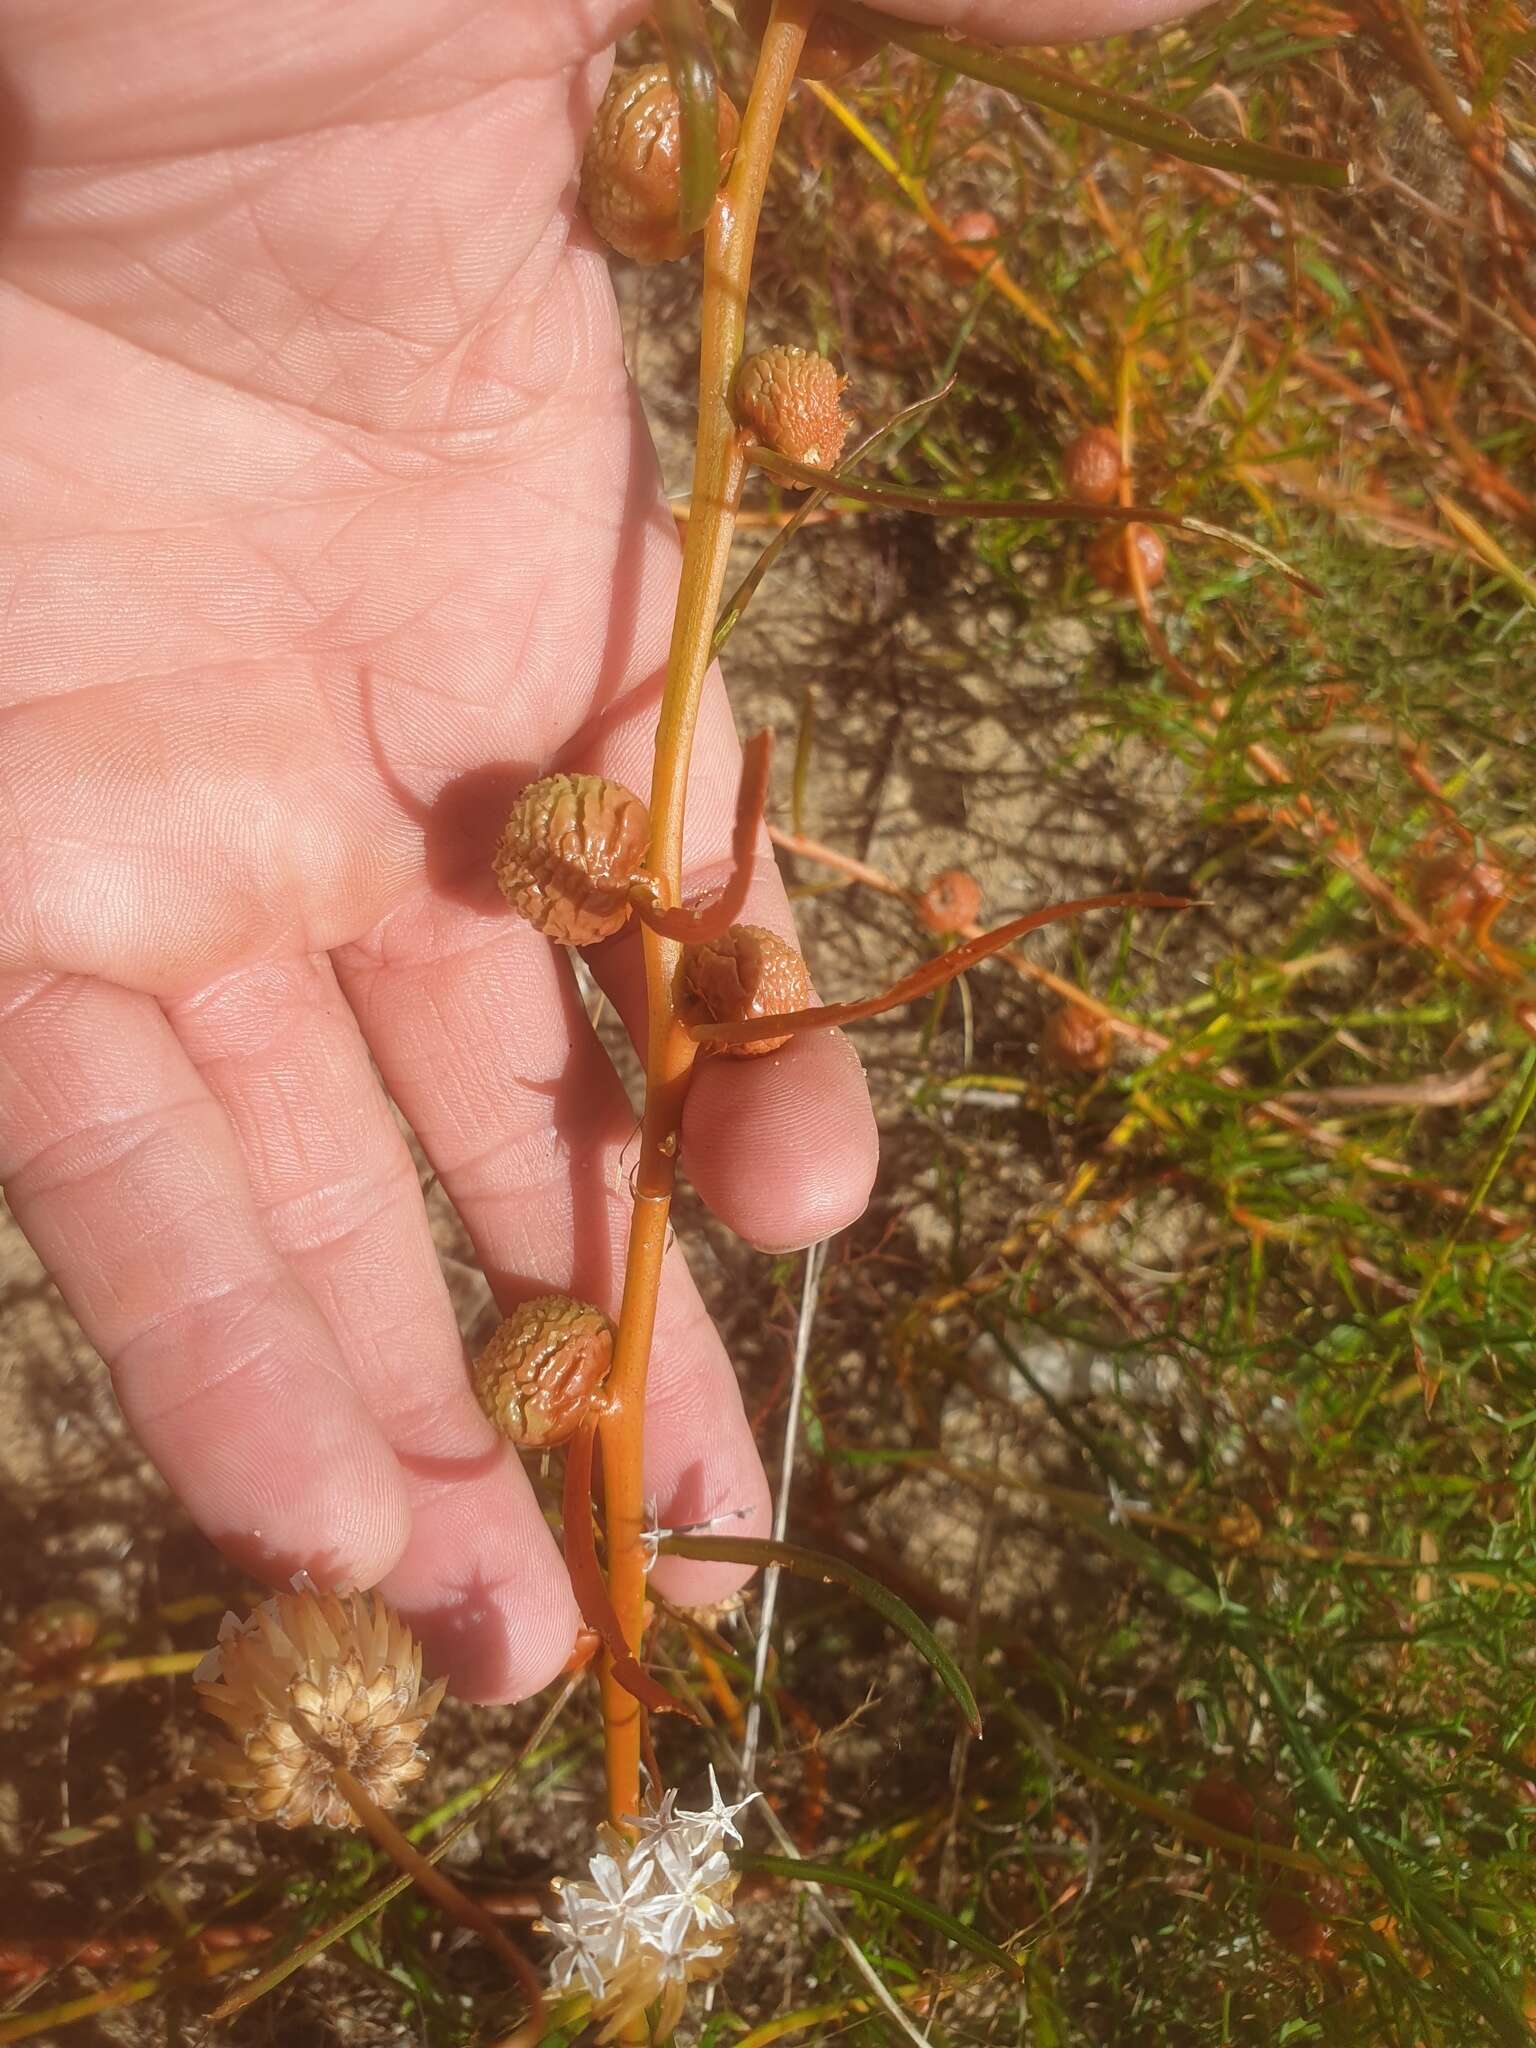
(832, 1571)
(901, 498)
(795, 1871)
(1114, 113)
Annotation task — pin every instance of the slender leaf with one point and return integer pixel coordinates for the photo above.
(691, 65)
(1133, 120)
(932, 974)
(900, 498)
(832, 1571)
(591, 1591)
(796, 1871)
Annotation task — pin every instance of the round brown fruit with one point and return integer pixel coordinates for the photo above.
(1090, 466)
(1107, 563)
(746, 972)
(539, 1377)
(833, 47)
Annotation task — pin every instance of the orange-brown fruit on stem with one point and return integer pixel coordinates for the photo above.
(1090, 466)
(1106, 557)
(974, 232)
(746, 972)
(632, 168)
(1456, 889)
(788, 397)
(1077, 1040)
(951, 901)
(543, 1370)
(571, 849)
(833, 47)
(55, 1634)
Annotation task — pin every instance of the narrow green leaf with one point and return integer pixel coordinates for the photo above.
(691, 64)
(832, 484)
(1044, 85)
(832, 1571)
(795, 1871)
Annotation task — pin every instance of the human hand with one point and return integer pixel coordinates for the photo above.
(331, 519)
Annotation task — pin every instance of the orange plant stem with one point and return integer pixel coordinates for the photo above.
(719, 468)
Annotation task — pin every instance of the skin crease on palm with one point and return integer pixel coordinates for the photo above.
(329, 519)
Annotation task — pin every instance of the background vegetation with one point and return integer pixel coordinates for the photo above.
(1194, 1396)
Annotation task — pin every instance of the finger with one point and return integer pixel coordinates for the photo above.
(482, 1040)
(123, 1172)
(783, 1149)
(481, 1580)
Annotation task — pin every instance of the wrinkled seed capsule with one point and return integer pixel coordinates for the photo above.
(569, 852)
(1077, 1040)
(788, 397)
(1091, 466)
(540, 1375)
(631, 169)
(951, 901)
(746, 972)
(832, 49)
(54, 1634)
(1106, 557)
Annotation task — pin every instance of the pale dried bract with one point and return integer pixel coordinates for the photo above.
(569, 854)
(542, 1371)
(788, 397)
(309, 1680)
(746, 972)
(631, 171)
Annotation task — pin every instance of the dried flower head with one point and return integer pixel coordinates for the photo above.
(1077, 1040)
(653, 1917)
(1107, 563)
(55, 1634)
(569, 853)
(788, 397)
(310, 1680)
(631, 171)
(1091, 466)
(746, 972)
(540, 1374)
(833, 47)
(950, 902)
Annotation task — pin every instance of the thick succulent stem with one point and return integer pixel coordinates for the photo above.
(719, 468)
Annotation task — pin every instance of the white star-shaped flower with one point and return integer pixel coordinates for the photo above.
(717, 1821)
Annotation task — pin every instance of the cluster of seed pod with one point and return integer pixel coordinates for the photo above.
(313, 1681)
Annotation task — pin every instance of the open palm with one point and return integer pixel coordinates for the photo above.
(329, 520)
